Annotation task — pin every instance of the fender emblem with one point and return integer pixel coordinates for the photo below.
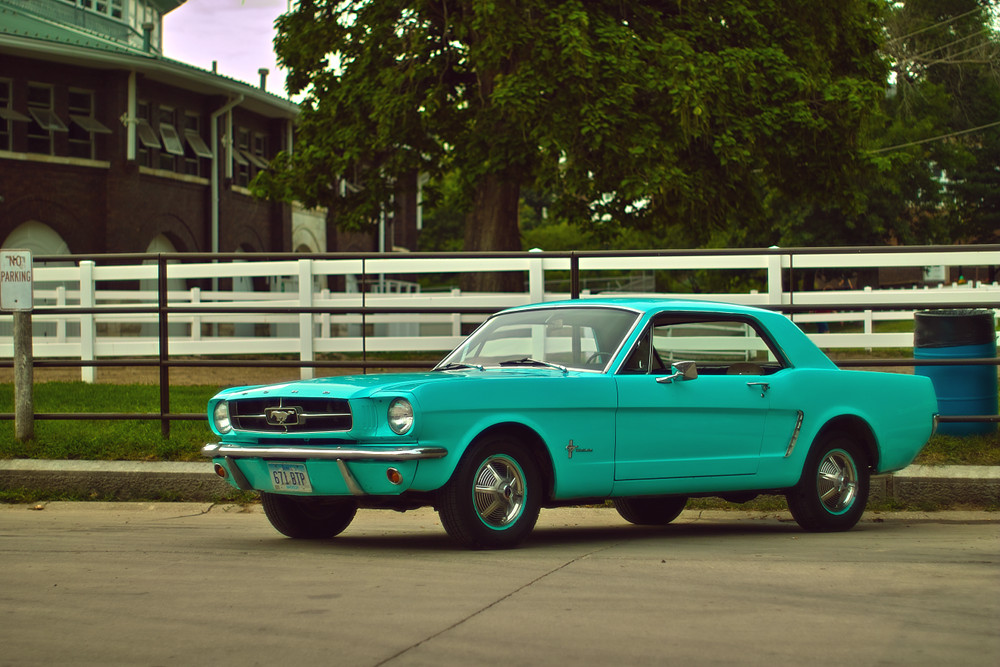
(570, 448)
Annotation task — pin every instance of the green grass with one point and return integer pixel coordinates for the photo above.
(141, 440)
(137, 440)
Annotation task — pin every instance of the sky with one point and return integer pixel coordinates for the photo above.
(238, 34)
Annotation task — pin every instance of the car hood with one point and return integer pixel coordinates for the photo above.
(363, 386)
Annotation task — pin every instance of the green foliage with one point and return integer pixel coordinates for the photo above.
(691, 123)
(939, 182)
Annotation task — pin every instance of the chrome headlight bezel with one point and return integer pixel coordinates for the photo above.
(221, 419)
(400, 416)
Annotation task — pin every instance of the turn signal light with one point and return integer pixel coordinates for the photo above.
(394, 476)
(220, 470)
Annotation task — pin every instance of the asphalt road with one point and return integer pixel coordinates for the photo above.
(191, 584)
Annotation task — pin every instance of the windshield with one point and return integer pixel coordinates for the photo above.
(582, 338)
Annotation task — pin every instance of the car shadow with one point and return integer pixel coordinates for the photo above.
(544, 536)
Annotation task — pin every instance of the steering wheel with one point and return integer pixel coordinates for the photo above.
(597, 358)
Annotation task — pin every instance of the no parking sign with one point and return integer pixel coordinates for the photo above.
(15, 280)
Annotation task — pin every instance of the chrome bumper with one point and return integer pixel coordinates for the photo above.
(338, 454)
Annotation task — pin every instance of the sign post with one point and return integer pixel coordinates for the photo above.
(16, 284)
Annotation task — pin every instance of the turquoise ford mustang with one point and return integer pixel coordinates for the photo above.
(646, 402)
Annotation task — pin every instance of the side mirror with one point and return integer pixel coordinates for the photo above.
(681, 370)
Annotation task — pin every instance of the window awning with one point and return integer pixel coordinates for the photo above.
(197, 144)
(10, 114)
(48, 120)
(89, 124)
(254, 159)
(171, 141)
(146, 134)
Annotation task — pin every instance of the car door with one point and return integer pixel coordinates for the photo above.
(711, 425)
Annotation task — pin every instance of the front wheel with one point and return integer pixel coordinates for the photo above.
(650, 511)
(833, 490)
(308, 518)
(493, 498)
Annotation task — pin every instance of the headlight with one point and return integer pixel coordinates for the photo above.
(221, 417)
(400, 416)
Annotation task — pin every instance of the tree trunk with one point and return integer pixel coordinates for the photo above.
(493, 225)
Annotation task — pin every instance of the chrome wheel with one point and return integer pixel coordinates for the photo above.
(498, 494)
(833, 490)
(837, 481)
(493, 497)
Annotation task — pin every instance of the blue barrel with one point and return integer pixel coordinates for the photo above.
(961, 390)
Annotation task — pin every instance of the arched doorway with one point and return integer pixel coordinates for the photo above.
(41, 240)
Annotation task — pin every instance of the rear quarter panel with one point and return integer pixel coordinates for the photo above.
(898, 408)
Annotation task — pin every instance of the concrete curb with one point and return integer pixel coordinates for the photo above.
(119, 480)
(147, 480)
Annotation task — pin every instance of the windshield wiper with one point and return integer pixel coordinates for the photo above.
(457, 365)
(528, 361)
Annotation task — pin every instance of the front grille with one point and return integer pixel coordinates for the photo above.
(290, 415)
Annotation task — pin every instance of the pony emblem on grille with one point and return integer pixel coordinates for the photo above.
(282, 416)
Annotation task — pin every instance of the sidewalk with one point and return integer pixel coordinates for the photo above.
(151, 480)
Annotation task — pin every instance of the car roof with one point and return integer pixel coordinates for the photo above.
(646, 304)
(796, 346)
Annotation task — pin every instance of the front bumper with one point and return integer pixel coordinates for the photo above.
(334, 454)
(327, 467)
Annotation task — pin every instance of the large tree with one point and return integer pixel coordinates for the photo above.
(941, 134)
(673, 115)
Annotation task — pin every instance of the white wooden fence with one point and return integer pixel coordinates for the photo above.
(212, 325)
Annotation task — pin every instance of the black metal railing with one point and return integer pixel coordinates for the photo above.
(163, 311)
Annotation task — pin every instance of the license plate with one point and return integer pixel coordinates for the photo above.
(289, 477)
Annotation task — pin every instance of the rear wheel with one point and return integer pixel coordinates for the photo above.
(650, 511)
(308, 518)
(493, 498)
(833, 491)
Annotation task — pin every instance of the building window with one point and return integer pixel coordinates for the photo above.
(44, 122)
(250, 156)
(83, 125)
(241, 173)
(147, 139)
(172, 146)
(195, 147)
(259, 155)
(6, 101)
(112, 8)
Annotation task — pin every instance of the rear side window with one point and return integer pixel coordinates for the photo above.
(718, 345)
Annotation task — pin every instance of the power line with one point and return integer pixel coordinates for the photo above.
(934, 25)
(937, 138)
(944, 46)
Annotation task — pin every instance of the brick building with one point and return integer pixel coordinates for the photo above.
(107, 146)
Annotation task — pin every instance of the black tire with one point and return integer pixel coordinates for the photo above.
(650, 511)
(308, 518)
(493, 498)
(833, 490)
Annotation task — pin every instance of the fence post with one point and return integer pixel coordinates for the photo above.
(775, 291)
(61, 322)
(306, 333)
(24, 378)
(574, 276)
(456, 318)
(164, 335)
(195, 333)
(88, 331)
(536, 278)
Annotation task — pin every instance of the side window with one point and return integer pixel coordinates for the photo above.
(719, 346)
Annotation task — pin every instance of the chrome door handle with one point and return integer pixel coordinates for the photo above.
(763, 386)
